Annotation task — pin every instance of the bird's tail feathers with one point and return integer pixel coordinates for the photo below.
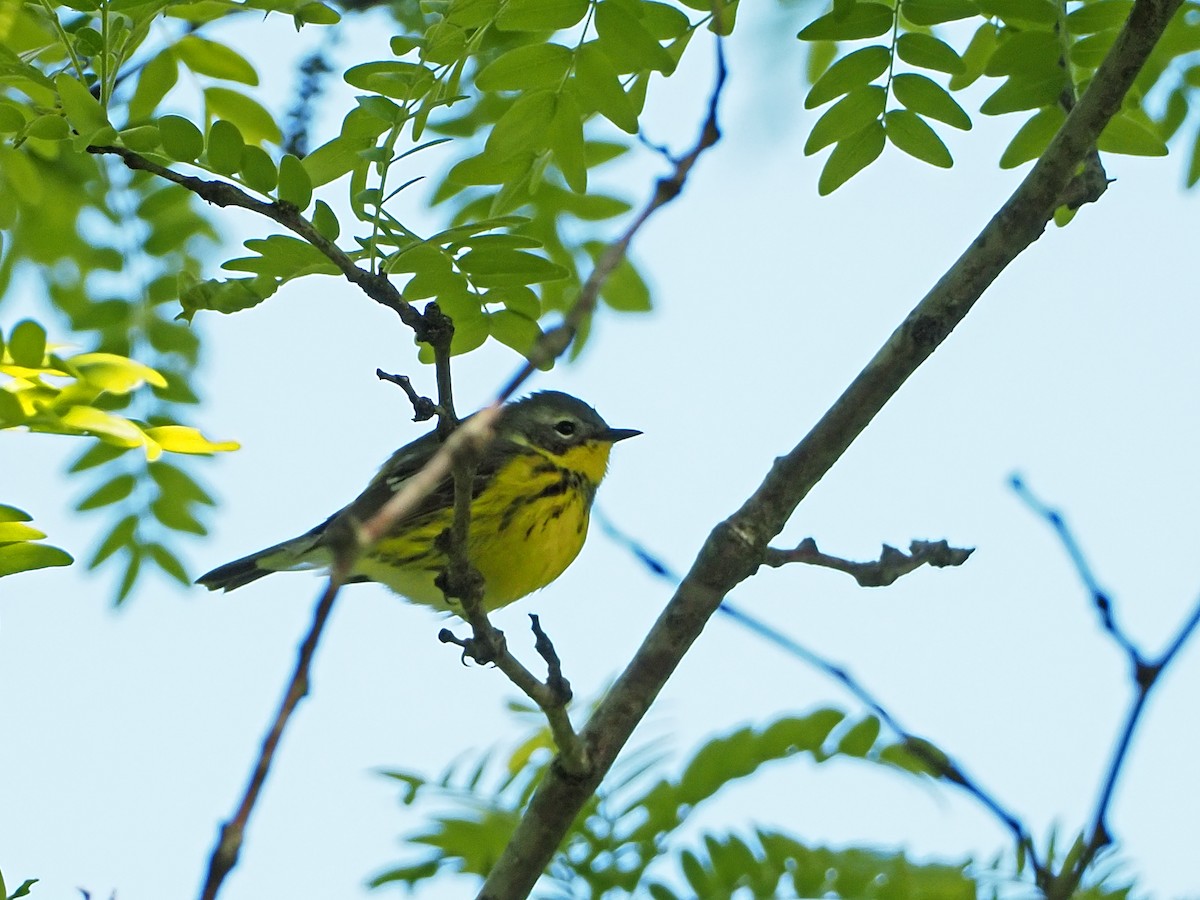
(301, 552)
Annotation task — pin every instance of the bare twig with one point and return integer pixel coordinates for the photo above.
(1100, 598)
(891, 565)
(423, 408)
(735, 547)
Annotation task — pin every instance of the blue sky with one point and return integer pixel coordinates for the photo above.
(129, 734)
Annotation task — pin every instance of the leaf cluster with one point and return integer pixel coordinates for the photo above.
(629, 839)
(81, 395)
(900, 87)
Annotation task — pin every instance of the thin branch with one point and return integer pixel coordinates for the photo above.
(891, 565)
(1145, 674)
(229, 842)
(735, 547)
(223, 194)
(1100, 597)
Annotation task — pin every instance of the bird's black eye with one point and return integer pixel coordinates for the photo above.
(565, 427)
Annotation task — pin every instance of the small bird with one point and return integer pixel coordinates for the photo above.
(530, 504)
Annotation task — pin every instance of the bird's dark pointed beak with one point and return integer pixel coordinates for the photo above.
(612, 435)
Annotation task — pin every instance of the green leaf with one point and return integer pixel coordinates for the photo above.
(142, 139)
(225, 296)
(325, 221)
(471, 13)
(859, 740)
(181, 139)
(182, 439)
(514, 330)
(1027, 55)
(1123, 134)
(13, 532)
(445, 43)
(975, 57)
(12, 514)
(1089, 52)
(524, 128)
(935, 12)
(1018, 93)
(282, 256)
(928, 98)
(1100, 15)
(25, 557)
(96, 455)
(861, 20)
(156, 78)
(112, 491)
(130, 577)
(1022, 13)
(169, 563)
(119, 536)
(84, 111)
(225, 145)
(566, 142)
(251, 117)
(910, 133)
(315, 13)
(1193, 172)
(501, 267)
(258, 170)
(487, 169)
(599, 87)
(663, 20)
(928, 52)
(848, 116)
(541, 15)
(518, 298)
(115, 374)
(526, 67)
(851, 71)
(1032, 138)
(294, 184)
(11, 119)
(173, 480)
(626, 41)
(851, 156)
(205, 57)
(27, 344)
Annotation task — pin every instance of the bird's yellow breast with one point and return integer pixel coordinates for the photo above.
(527, 525)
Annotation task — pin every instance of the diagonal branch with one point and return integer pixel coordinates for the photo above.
(891, 565)
(223, 194)
(735, 547)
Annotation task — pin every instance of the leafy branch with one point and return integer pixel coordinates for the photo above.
(735, 548)
(455, 458)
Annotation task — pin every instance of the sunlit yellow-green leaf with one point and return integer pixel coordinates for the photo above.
(182, 439)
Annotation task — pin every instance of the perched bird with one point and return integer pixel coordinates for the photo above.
(531, 499)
